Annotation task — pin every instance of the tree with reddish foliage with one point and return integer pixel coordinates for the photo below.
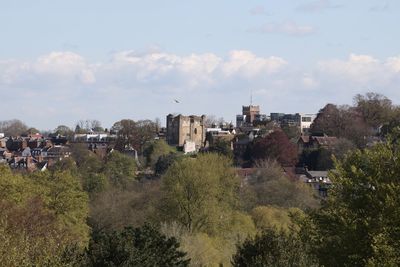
(275, 146)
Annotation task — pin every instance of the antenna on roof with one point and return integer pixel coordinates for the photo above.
(251, 97)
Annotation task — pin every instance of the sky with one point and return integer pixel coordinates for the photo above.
(65, 61)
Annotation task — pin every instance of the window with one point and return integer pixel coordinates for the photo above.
(195, 130)
(306, 119)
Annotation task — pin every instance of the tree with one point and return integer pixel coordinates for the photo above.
(375, 108)
(359, 224)
(32, 131)
(343, 121)
(120, 169)
(84, 126)
(273, 248)
(270, 186)
(222, 147)
(30, 235)
(64, 131)
(164, 162)
(273, 217)
(292, 132)
(63, 194)
(42, 215)
(13, 127)
(199, 193)
(212, 121)
(116, 208)
(319, 159)
(154, 150)
(275, 146)
(131, 134)
(143, 246)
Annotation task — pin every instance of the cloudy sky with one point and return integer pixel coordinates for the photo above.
(62, 61)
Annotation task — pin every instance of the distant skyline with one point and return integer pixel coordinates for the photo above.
(64, 61)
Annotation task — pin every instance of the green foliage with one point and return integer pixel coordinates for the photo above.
(135, 247)
(199, 193)
(115, 208)
(273, 217)
(63, 194)
(316, 159)
(222, 147)
(273, 248)
(94, 183)
(270, 186)
(30, 235)
(164, 162)
(120, 169)
(359, 224)
(154, 150)
(42, 214)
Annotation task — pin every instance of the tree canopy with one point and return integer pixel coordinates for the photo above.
(275, 146)
(142, 247)
(200, 193)
(359, 223)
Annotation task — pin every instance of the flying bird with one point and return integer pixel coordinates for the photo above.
(176, 101)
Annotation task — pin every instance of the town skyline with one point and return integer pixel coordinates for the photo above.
(107, 61)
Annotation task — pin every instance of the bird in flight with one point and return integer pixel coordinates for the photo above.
(176, 101)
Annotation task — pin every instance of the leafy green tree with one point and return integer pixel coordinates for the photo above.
(273, 248)
(42, 214)
(30, 235)
(164, 162)
(63, 194)
(274, 217)
(142, 247)
(200, 193)
(120, 169)
(359, 224)
(319, 159)
(222, 147)
(154, 150)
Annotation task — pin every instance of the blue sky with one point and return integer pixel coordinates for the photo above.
(62, 61)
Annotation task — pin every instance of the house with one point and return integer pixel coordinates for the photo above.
(318, 180)
(213, 135)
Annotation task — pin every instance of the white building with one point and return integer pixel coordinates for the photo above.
(305, 122)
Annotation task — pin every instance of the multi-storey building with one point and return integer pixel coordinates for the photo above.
(181, 129)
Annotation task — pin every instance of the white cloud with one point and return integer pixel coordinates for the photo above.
(287, 27)
(144, 84)
(242, 62)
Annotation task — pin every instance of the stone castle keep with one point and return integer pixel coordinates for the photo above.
(185, 128)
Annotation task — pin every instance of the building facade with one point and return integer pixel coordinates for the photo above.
(181, 129)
